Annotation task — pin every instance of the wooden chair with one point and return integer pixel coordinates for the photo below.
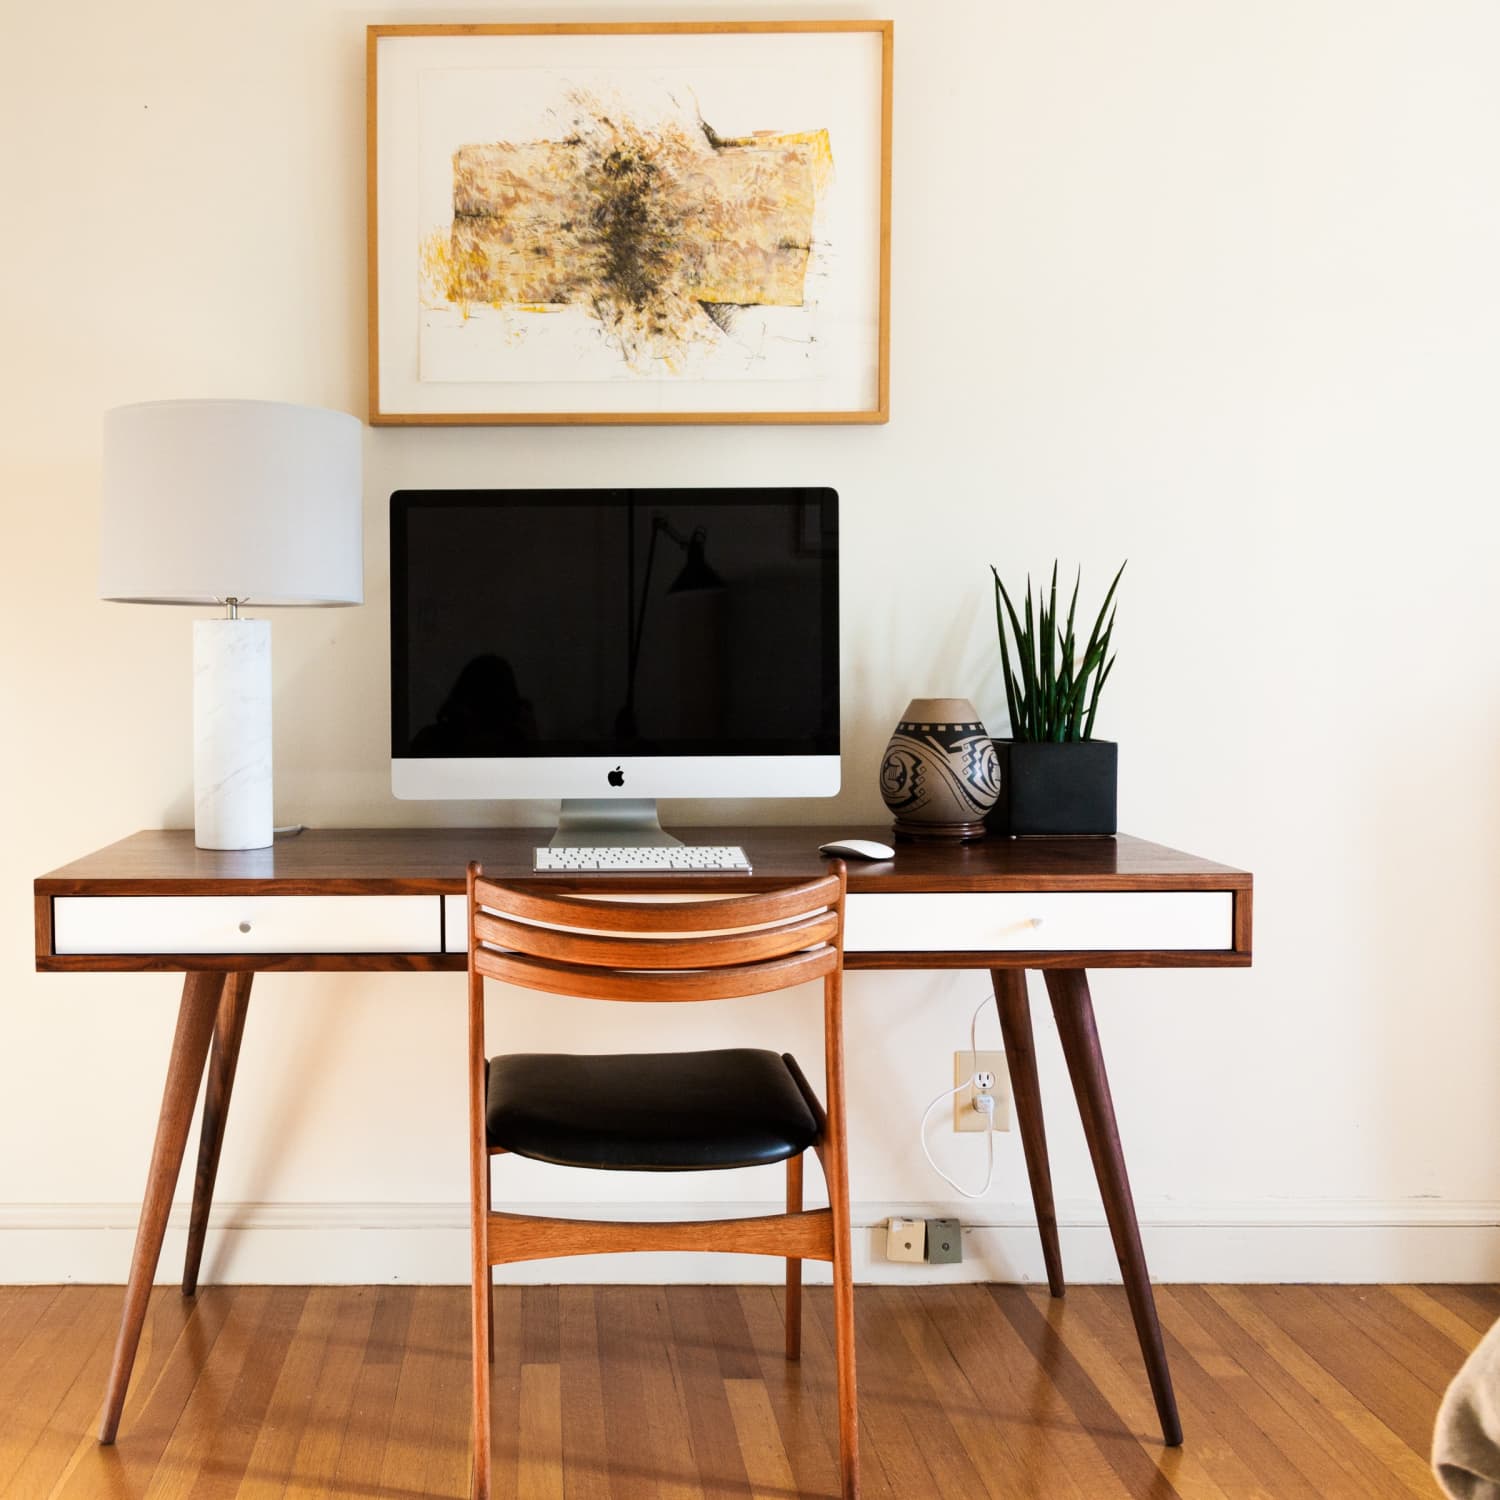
(662, 1112)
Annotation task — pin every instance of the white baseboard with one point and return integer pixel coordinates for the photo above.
(1326, 1240)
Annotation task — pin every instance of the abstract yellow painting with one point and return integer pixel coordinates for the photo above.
(668, 223)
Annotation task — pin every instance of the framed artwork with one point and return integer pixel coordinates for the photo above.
(630, 223)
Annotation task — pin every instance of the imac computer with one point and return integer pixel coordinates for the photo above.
(609, 647)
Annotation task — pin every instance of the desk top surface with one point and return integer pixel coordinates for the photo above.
(336, 861)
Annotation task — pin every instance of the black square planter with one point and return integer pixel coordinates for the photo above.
(1049, 788)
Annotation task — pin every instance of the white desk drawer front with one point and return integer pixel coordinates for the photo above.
(1050, 921)
(247, 924)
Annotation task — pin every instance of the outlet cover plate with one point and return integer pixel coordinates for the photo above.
(945, 1242)
(965, 1064)
(905, 1239)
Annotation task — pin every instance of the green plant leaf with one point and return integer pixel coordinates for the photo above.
(1005, 670)
(1088, 728)
(1048, 644)
(1104, 610)
(1019, 724)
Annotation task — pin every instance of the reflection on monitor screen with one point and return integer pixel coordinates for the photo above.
(614, 643)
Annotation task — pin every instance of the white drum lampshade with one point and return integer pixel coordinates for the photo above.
(239, 503)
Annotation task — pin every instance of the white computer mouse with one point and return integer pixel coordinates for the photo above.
(858, 849)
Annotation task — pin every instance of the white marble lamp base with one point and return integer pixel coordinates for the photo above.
(232, 734)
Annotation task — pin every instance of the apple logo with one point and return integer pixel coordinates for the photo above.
(617, 777)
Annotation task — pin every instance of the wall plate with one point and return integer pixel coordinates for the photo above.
(945, 1242)
(965, 1116)
(906, 1239)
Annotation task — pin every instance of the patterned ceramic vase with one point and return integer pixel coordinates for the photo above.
(940, 775)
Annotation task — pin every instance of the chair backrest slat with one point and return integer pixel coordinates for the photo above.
(679, 984)
(755, 910)
(716, 950)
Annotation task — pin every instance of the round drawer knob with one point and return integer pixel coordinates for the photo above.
(244, 927)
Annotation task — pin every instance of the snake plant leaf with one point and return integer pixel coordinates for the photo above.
(1049, 642)
(1103, 611)
(1005, 669)
(1020, 721)
(1088, 728)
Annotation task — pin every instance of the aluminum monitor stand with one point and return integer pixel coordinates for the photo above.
(611, 822)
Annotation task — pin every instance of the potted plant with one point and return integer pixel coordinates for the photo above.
(1055, 777)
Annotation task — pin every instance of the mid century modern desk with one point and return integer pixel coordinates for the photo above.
(392, 899)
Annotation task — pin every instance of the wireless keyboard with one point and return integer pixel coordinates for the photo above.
(631, 859)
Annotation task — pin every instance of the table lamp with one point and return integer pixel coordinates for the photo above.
(233, 503)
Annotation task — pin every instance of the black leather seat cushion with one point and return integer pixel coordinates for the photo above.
(648, 1112)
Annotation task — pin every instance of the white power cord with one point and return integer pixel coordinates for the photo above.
(984, 1103)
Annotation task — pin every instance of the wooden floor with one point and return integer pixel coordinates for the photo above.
(1286, 1392)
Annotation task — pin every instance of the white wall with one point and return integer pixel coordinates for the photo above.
(1208, 285)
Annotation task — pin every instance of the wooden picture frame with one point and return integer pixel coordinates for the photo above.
(629, 223)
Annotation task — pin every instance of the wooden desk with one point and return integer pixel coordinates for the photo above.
(391, 899)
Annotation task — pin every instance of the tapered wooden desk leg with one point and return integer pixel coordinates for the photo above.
(1074, 1009)
(1020, 1057)
(229, 1028)
(195, 1024)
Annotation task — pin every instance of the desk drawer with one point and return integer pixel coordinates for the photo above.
(247, 924)
(1039, 921)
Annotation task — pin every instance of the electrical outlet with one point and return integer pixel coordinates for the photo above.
(906, 1239)
(965, 1116)
(945, 1245)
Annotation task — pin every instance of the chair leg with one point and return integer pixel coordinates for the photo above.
(489, 1274)
(794, 1266)
(836, 1170)
(482, 1317)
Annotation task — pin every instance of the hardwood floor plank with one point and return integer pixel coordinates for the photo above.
(730, 1335)
(539, 1325)
(1292, 1349)
(759, 1438)
(505, 1390)
(20, 1307)
(585, 1445)
(1221, 1397)
(969, 1392)
(448, 1460)
(1460, 1332)
(883, 1389)
(1431, 1356)
(1040, 1330)
(363, 1451)
(78, 1401)
(802, 1394)
(211, 1443)
(944, 1383)
(1470, 1303)
(1312, 1436)
(1114, 1365)
(1023, 1406)
(665, 1394)
(695, 1368)
(1361, 1363)
(268, 1471)
(328, 1413)
(177, 1341)
(35, 1380)
(539, 1474)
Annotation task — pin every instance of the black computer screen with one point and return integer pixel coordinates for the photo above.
(613, 622)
